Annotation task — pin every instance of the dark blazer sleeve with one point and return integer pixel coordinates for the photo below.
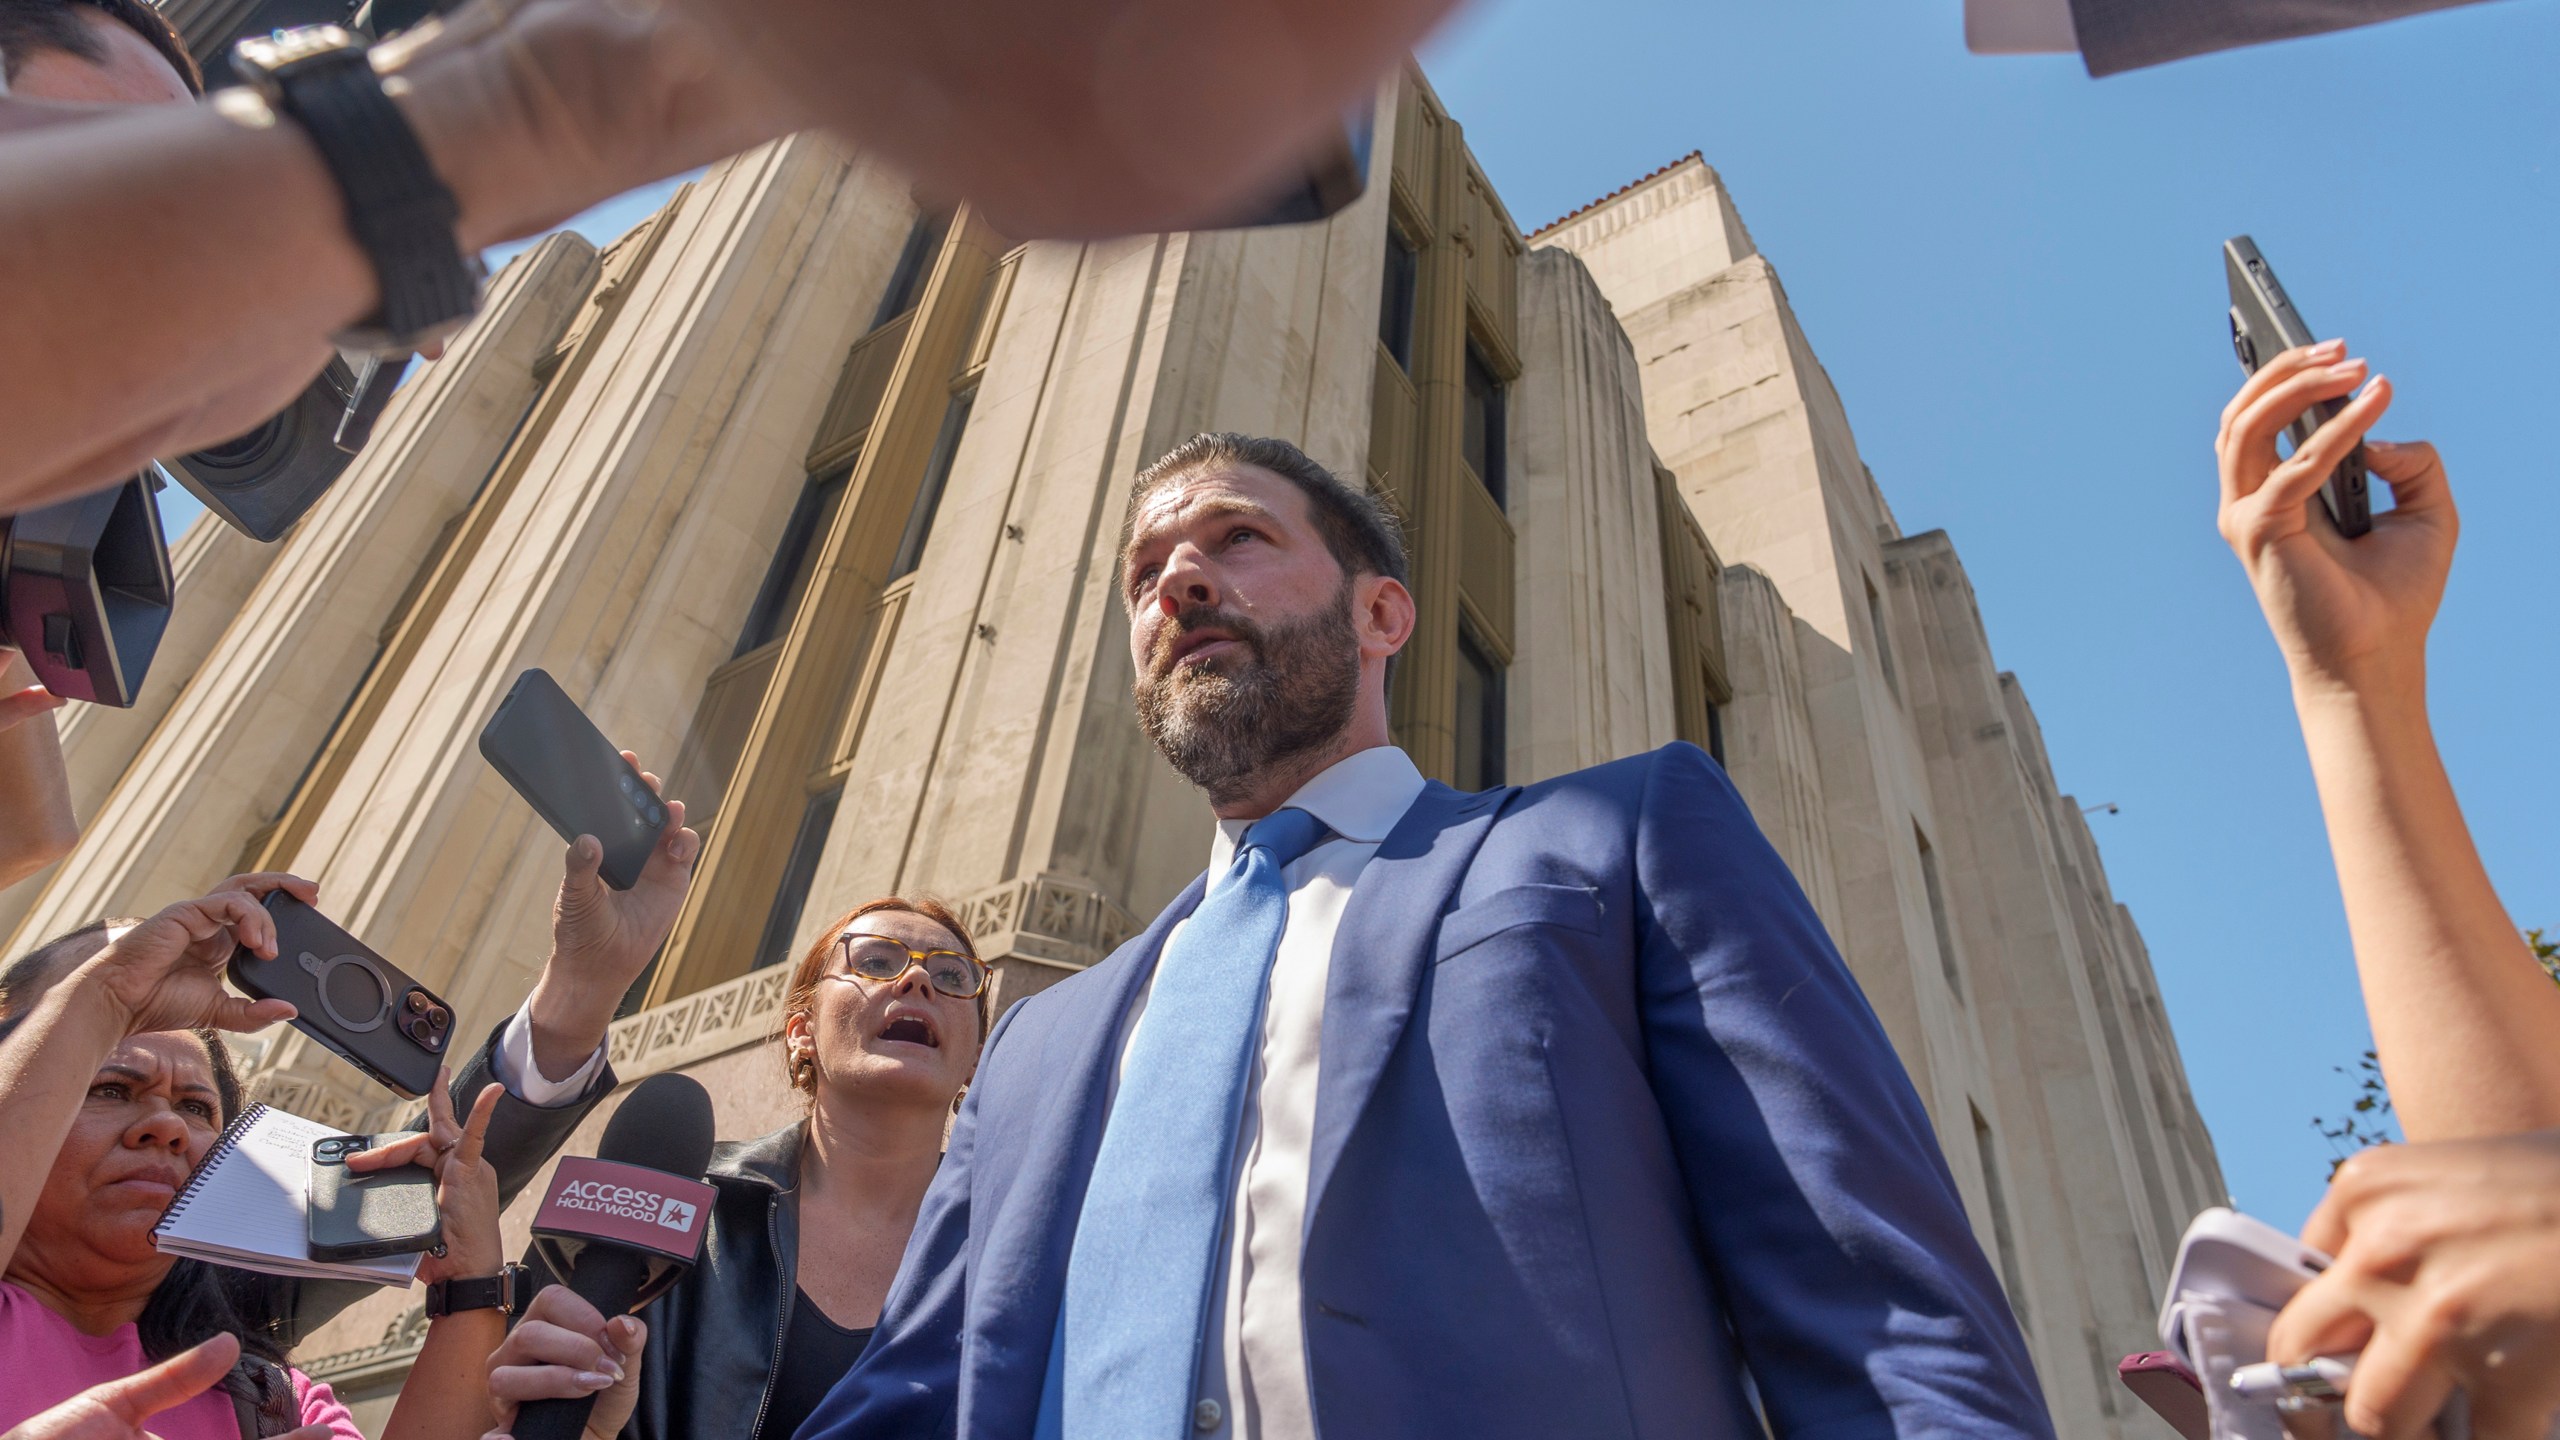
(1860, 1299)
(2117, 35)
(522, 1139)
(907, 1382)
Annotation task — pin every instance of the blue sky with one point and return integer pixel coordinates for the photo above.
(2012, 274)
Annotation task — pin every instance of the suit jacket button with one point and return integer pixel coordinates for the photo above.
(1208, 1415)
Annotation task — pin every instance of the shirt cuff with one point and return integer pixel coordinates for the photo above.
(511, 1060)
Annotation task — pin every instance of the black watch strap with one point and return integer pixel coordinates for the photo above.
(510, 1290)
(400, 211)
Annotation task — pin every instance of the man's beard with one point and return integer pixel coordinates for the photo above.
(1287, 693)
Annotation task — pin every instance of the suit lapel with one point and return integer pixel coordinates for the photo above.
(1380, 952)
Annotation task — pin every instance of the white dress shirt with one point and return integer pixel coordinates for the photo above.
(1253, 1368)
(511, 1060)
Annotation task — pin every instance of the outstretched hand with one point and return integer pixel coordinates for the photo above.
(2447, 1274)
(166, 973)
(466, 1183)
(117, 1409)
(2350, 615)
(602, 938)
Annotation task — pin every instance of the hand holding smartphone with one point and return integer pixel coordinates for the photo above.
(574, 777)
(2264, 324)
(365, 1009)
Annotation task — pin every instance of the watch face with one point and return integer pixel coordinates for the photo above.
(279, 50)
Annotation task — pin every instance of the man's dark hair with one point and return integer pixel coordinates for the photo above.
(31, 25)
(1364, 535)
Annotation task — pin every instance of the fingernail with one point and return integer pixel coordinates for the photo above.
(2327, 348)
(2346, 367)
(594, 1381)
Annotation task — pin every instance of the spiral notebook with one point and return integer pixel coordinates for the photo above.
(249, 1205)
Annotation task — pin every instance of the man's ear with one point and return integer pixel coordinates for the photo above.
(1382, 615)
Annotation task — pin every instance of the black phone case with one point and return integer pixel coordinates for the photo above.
(364, 1008)
(2264, 324)
(382, 1212)
(556, 758)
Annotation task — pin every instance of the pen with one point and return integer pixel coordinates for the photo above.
(2322, 1378)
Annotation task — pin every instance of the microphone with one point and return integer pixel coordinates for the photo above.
(622, 1228)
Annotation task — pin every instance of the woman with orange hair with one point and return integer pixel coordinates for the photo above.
(881, 1030)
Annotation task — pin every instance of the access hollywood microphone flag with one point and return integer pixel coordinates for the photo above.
(623, 1227)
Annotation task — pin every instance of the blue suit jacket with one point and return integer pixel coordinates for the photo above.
(1602, 1123)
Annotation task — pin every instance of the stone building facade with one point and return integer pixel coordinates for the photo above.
(810, 498)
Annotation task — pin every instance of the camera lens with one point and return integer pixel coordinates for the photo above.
(418, 1002)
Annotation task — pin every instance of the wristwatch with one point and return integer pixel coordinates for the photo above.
(510, 1290)
(400, 210)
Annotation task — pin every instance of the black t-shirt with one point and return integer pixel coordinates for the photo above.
(816, 1353)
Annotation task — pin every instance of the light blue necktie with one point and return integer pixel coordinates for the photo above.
(1127, 1352)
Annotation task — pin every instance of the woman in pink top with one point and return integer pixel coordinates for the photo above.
(114, 1084)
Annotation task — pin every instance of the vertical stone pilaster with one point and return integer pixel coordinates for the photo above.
(618, 549)
(1590, 682)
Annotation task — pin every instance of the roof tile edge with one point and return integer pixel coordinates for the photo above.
(1696, 157)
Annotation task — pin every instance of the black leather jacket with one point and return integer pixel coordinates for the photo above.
(714, 1339)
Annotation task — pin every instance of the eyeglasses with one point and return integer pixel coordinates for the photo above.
(877, 957)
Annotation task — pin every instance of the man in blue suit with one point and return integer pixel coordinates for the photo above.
(1540, 1112)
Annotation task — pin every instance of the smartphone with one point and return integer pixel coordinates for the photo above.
(2264, 324)
(382, 1212)
(573, 777)
(363, 1007)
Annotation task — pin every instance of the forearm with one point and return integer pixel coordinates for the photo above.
(2465, 1023)
(35, 793)
(446, 1394)
(568, 1019)
(175, 274)
(151, 257)
(46, 1065)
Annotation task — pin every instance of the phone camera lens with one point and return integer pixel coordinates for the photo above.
(419, 1003)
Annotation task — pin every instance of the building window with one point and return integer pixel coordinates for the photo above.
(1715, 729)
(782, 923)
(1480, 716)
(915, 266)
(1395, 306)
(1485, 426)
(1938, 911)
(795, 561)
(937, 478)
(1884, 645)
(1985, 1146)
